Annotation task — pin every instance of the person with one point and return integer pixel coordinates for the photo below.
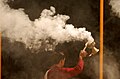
(57, 71)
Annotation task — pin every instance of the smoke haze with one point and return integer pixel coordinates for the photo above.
(115, 7)
(111, 42)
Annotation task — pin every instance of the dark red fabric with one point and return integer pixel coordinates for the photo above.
(65, 73)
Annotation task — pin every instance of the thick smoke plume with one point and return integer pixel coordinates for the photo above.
(115, 6)
(17, 26)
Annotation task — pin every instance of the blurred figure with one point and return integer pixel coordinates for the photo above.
(57, 71)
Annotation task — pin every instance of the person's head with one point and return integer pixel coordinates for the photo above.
(59, 59)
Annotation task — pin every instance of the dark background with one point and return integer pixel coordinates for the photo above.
(19, 63)
(111, 42)
(111, 31)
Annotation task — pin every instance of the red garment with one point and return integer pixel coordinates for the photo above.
(65, 73)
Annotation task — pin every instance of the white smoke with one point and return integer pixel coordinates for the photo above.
(111, 66)
(17, 26)
(115, 6)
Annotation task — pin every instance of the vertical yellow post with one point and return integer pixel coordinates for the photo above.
(101, 37)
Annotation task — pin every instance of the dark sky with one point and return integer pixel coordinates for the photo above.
(80, 13)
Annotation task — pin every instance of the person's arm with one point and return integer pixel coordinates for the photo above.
(78, 68)
(74, 71)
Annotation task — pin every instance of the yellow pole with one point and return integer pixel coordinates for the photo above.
(101, 38)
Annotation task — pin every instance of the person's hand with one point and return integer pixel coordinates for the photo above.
(83, 54)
